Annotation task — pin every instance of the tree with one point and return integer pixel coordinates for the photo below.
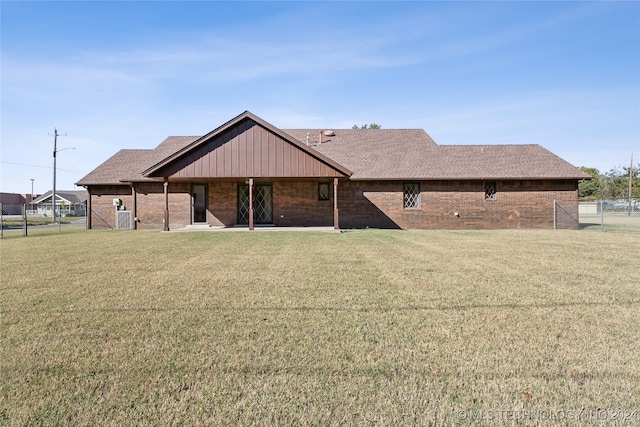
(611, 185)
(365, 126)
(615, 183)
(590, 188)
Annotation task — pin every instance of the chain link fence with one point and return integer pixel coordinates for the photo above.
(26, 222)
(615, 215)
(595, 215)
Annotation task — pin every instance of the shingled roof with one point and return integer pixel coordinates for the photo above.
(372, 154)
(127, 165)
(71, 196)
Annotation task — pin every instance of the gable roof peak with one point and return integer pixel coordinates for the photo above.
(238, 121)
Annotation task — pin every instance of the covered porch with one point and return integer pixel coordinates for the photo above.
(252, 203)
(247, 173)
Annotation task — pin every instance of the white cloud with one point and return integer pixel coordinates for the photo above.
(307, 67)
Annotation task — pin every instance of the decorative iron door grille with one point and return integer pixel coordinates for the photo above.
(243, 204)
(262, 204)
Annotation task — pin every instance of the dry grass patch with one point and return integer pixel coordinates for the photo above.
(367, 327)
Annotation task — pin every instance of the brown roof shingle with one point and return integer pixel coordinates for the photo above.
(372, 154)
(127, 165)
(402, 154)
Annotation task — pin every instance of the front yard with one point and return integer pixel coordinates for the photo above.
(363, 327)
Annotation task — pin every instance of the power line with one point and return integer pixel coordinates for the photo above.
(37, 166)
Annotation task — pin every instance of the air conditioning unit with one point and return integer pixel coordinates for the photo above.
(124, 220)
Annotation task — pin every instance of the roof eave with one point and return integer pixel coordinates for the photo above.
(468, 178)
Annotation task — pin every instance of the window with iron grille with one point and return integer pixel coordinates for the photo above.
(411, 195)
(323, 191)
(489, 190)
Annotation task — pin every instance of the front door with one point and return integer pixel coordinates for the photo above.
(199, 204)
(262, 204)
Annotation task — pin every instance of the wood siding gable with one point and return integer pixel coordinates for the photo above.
(247, 147)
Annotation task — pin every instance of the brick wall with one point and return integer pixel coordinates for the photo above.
(223, 203)
(518, 204)
(295, 203)
(103, 213)
(179, 205)
(149, 205)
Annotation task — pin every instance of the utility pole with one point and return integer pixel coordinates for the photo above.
(53, 195)
(630, 184)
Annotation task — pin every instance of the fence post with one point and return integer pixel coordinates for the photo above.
(25, 232)
(555, 213)
(602, 215)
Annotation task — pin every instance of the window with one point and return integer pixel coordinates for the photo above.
(490, 190)
(323, 191)
(411, 195)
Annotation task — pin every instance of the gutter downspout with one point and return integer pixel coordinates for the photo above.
(134, 193)
(89, 212)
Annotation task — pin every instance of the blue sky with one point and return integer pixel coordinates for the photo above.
(119, 74)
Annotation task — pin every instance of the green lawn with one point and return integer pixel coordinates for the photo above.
(366, 327)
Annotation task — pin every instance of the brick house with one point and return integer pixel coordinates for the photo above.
(247, 173)
(12, 203)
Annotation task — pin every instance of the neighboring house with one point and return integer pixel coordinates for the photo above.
(247, 172)
(68, 203)
(13, 203)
